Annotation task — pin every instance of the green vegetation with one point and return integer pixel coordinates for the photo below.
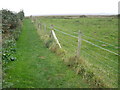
(32, 65)
(99, 64)
(10, 25)
(11, 29)
(10, 20)
(36, 66)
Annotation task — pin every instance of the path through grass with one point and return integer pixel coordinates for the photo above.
(37, 67)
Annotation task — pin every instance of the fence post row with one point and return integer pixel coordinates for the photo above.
(79, 44)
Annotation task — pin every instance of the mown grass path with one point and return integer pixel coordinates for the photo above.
(37, 67)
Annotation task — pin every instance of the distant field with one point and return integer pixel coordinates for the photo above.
(101, 31)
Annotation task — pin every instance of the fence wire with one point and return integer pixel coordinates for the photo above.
(88, 42)
(104, 64)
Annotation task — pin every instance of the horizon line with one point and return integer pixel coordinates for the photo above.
(106, 14)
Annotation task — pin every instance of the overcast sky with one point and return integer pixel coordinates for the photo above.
(61, 7)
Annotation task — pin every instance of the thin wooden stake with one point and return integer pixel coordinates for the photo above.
(53, 33)
(45, 27)
(40, 26)
(79, 44)
(52, 26)
(37, 25)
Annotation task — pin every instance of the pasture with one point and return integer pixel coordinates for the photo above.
(99, 44)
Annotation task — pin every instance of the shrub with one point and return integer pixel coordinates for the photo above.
(10, 20)
(11, 29)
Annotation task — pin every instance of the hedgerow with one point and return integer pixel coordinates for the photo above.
(11, 29)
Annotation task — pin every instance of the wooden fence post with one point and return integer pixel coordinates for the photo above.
(45, 27)
(40, 26)
(79, 44)
(52, 28)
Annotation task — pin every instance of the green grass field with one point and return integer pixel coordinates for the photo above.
(37, 67)
(102, 31)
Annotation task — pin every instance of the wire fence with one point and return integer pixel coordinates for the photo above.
(93, 38)
(87, 42)
(95, 55)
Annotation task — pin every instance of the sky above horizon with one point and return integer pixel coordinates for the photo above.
(61, 7)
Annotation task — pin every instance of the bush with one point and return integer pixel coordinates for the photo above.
(10, 20)
(11, 29)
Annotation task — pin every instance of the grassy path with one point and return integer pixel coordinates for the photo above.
(37, 67)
